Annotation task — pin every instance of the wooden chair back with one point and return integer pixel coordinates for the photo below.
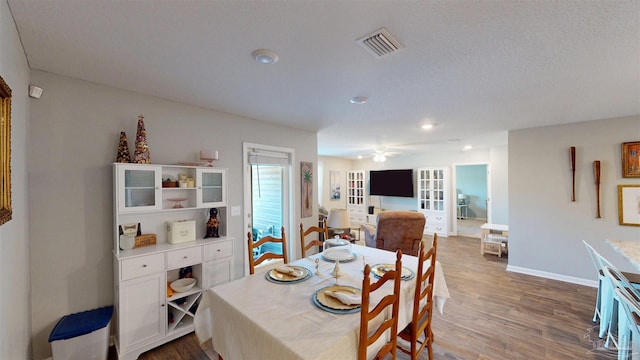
(267, 255)
(390, 322)
(315, 242)
(422, 304)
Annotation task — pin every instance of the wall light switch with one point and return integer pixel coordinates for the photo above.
(235, 211)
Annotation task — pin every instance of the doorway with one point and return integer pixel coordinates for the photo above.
(472, 198)
(267, 178)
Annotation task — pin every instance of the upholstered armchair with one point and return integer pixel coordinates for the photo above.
(396, 230)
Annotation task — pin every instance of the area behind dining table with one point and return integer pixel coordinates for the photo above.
(253, 318)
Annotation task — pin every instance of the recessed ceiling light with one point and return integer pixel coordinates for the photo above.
(427, 126)
(360, 156)
(359, 100)
(264, 56)
(467, 147)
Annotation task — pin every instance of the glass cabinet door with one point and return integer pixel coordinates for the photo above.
(139, 188)
(211, 184)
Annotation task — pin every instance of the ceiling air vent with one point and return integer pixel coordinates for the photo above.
(380, 43)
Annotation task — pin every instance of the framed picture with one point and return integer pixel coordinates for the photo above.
(334, 184)
(306, 189)
(5, 152)
(631, 159)
(629, 204)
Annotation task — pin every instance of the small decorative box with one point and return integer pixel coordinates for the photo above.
(181, 231)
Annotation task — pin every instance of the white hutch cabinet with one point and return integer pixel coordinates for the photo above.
(356, 197)
(146, 315)
(433, 199)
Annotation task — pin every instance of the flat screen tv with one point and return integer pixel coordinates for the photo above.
(391, 182)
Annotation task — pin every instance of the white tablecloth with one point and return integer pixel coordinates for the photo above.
(253, 318)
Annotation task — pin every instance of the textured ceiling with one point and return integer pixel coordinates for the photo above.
(473, 69)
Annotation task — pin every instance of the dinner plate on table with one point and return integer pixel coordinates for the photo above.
(341, 254)
(379, 270)
(278, 277)
(333, 305)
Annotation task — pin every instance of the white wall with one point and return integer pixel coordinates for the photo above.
(496, 157)
(73, 139)
(14, 235)
(546, 228)
(334, 164)
(499, 179)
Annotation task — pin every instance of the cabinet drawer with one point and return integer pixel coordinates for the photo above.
(184, 257)
(357, 219)
(436, 227)
(141, 266)
(218, 250)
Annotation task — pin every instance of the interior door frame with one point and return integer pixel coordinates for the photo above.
(288, 183)
(454, 194)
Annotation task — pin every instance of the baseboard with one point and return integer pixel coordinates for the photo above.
(552, 276)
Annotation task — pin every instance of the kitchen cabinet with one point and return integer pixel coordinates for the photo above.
(147, 313)
(433, 199)
(356, 197)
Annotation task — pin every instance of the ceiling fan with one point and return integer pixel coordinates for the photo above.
(380, 155)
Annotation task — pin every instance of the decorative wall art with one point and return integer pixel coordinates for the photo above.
(629, 205)
(631, 159)
(596, 176)
(572, 156)
(5, 152)
(334, 184)
(306, 189)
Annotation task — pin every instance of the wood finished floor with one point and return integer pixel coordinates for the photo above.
(492, 314)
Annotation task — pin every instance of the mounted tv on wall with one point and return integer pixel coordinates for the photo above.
(391, 182)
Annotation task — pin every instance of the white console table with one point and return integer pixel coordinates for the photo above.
(494, 239)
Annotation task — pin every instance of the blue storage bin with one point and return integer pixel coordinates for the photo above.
(83, 335)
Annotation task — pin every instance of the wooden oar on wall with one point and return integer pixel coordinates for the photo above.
(596, 175)
(572, 153)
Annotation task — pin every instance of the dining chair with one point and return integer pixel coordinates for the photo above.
(389, 323)
(422, 313)
(629, 324)
(605, 296)
(266, 255)
(593, 254)
(315, 242)
(619, 324)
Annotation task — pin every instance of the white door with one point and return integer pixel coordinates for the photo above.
(268, 188)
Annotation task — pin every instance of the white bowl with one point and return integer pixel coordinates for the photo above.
(182, 285)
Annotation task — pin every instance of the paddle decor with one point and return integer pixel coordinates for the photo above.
(596, 175)
(572, 153)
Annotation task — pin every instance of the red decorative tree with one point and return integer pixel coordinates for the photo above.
(141, 155)
(123, 155)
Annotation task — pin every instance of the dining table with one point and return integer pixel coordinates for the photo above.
(258, 317)
(629, 249)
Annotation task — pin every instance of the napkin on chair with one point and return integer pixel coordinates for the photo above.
(347, 299)
(289, 271)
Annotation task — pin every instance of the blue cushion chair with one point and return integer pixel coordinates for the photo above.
(606, 302)
(629, 324)
(621, 326)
